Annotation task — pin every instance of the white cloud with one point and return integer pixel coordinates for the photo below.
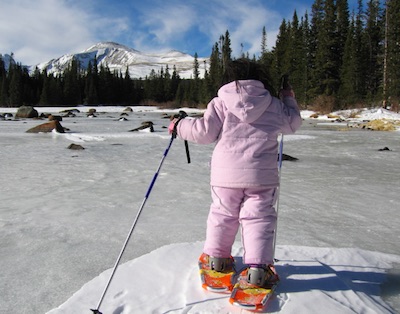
(162, 25)
(168, 22)
(39, 30)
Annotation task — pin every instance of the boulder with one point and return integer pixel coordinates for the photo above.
(26, 112)
(145, 125)
(75, 147)
(47, 127)
(289, 158)
(70, 110)
(70, 113)
(6, 116)
(44, 115)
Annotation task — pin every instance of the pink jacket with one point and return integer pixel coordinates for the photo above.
(244, 121)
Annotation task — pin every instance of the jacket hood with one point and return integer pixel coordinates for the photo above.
(246, 99)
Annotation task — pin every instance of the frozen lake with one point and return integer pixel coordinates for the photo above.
(64, 214)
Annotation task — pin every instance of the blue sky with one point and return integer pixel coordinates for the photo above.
(37, 31)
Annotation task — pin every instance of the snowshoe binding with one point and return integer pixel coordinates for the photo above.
(254, 288)
(216, 273)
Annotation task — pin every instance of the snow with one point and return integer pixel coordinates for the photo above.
(361, 114)
(64, 216)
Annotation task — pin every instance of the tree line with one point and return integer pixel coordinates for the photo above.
(339, 59)
(335, 58)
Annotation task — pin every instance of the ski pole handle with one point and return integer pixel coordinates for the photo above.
(181, 115)
(285, 82)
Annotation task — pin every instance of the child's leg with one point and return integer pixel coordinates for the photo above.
(258, 220)
(223, 221)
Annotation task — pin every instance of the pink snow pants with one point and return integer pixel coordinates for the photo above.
(253, 210)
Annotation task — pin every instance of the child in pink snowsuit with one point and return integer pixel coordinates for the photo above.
(244, 121)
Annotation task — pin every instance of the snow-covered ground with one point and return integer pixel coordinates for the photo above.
(64, 215)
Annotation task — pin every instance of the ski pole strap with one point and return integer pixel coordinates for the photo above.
(181, 115)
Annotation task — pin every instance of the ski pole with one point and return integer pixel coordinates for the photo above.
(280, 159)
(182, 115)
(284, 85)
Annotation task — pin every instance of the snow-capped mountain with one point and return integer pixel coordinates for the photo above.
(118, 57)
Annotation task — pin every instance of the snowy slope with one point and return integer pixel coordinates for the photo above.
(344, 281)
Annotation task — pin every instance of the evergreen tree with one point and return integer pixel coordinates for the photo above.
(215, 70)
(160, 86)
(45, 94)
(327, 61)
(226, 50)
(373, 35)
(15, 88)
(175, 81)
(71, 88)
(167, 84)
(179, 96)
(266, 56)
(263, 42)
(281, 60)
(343, 20)
(206, 94)
(393, 52)
(196, 80)
(37, 85)
(196, 71)
(299, 69)
(138, 87)
(347, 90)
(91, 96)
(360, 56)
(316, 26)
(105, 91)
(4, 93)
(3, 84)
(51, 94)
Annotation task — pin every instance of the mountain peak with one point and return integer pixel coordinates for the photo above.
(109, 45)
